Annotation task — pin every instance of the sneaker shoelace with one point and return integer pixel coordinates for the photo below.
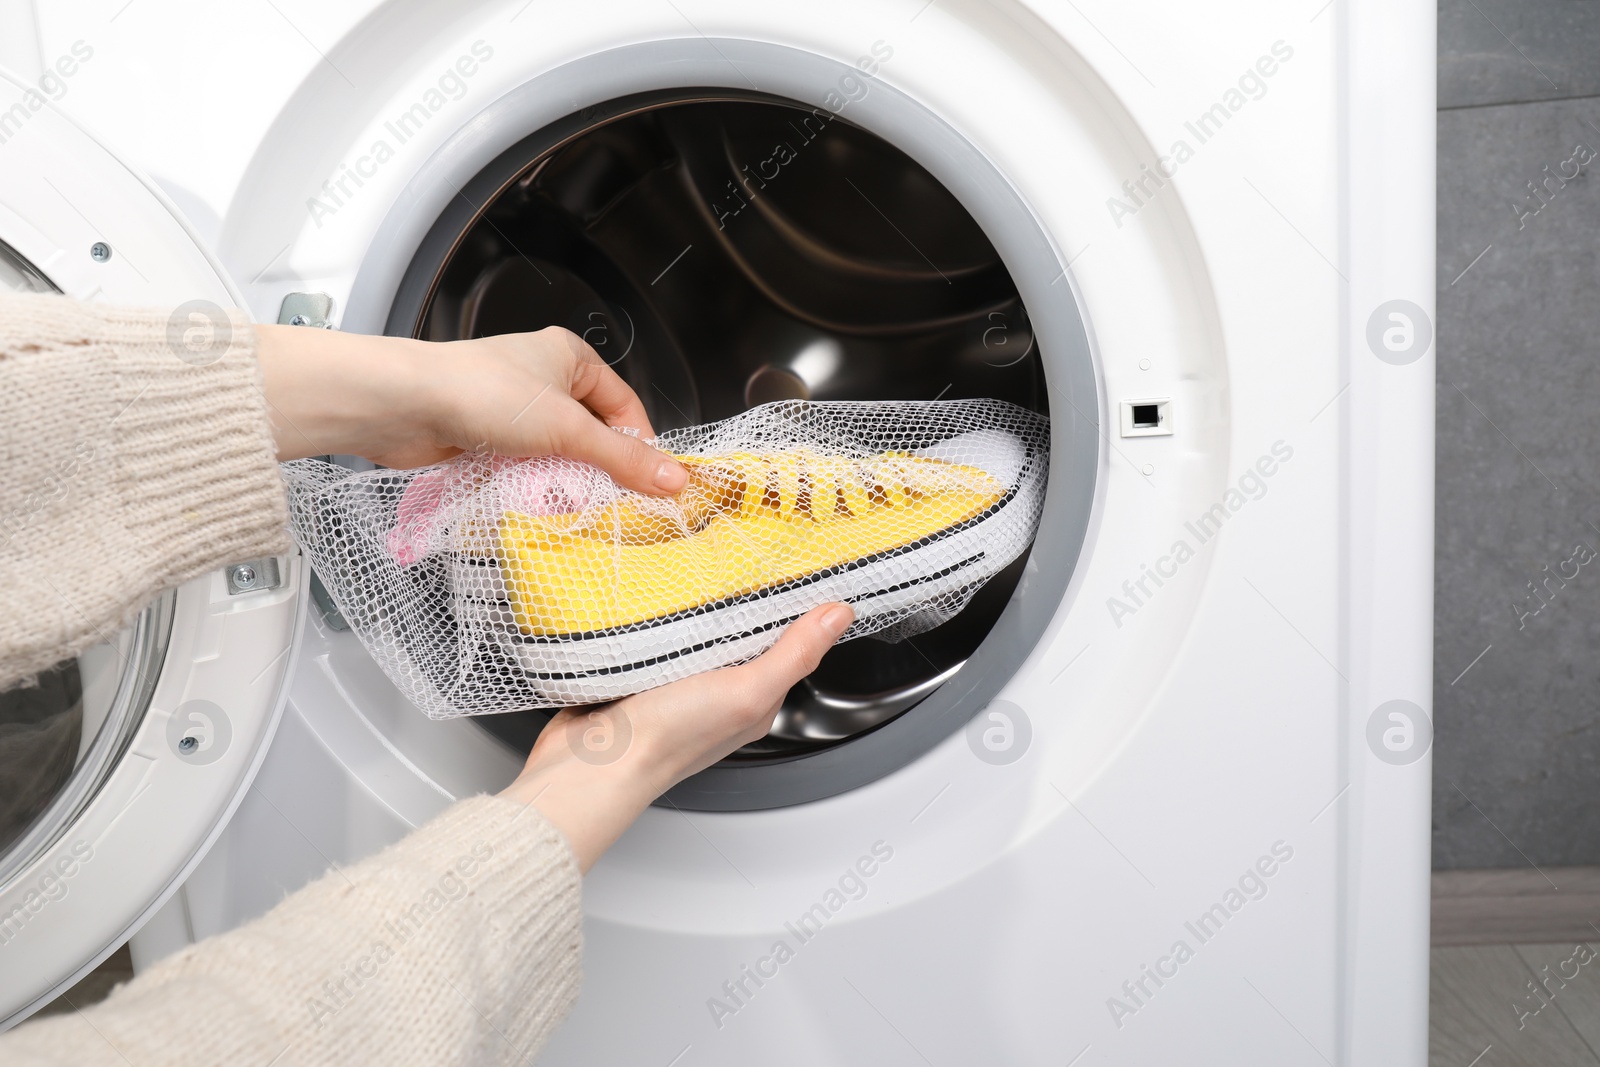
(801, 486)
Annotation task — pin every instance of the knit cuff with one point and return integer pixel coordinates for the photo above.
(194, 449)
(458, 944)
(525, 894)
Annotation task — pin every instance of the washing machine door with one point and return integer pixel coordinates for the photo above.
(118, 768)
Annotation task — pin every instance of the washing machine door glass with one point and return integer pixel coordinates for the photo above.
(18, 275)
(63, 730)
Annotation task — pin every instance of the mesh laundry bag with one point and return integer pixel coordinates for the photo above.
(487, 584)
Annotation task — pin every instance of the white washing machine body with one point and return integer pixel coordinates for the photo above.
(1193, 822)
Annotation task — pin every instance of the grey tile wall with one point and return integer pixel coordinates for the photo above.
(1517, 667)
(1510, 51)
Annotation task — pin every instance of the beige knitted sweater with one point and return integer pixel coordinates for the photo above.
(124, 470)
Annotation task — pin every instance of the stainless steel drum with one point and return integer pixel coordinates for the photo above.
(725, 249)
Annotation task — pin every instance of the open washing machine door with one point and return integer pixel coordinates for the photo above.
(120, 767)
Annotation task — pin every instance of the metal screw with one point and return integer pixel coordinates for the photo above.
(244, 576)
(299, 320)
(187, 745)
(99, 251)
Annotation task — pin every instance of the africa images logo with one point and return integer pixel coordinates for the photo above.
(451, 84)
(1141, 189)
(48, 888)
(453, 884)
(1253, 885)
(49, 88)
(850, 88)
(1252, 485)
(738, 991)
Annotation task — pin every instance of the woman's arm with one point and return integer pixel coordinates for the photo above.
(405, 403)
(124, 470)
(459, 944)
(132, 460)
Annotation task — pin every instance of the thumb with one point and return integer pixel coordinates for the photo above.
(629, 461)
(800, 649)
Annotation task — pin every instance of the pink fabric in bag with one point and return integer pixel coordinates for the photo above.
(433, 501)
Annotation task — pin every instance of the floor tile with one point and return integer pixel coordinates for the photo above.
(94, 986)
(1574, 983)
(1476, 993)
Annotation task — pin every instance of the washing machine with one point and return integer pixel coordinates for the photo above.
(1161, 792)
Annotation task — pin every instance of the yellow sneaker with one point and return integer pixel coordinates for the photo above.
(747, 525)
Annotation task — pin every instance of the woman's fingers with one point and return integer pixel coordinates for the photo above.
(670, 733)
(602, 390)
(769, 676)
(580, 427)
(694, 722)
(577, 434)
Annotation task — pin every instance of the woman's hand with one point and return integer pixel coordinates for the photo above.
(594, 770)
(406, 403)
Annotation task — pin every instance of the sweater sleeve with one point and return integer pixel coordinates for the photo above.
(135, 454)
(131, 461)
(460, 944)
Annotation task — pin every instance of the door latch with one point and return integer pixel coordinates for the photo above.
(307, 309)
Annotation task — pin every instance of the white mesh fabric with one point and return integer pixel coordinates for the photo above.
(487, 584)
